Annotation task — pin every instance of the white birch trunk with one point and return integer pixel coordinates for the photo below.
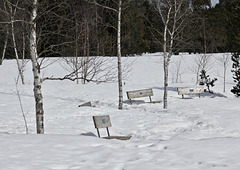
(76, 48)
(5, 47)
(166, 60)
(119, 11)
(172, 24)
(224, 79)
(24, 48)
(225, 62)
(165, 67)
(204, 37)
(120, 104)
(36, 72)
(13, 13)
(20, 69)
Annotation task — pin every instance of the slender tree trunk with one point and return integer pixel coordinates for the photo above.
(224, 78)
(5, 47)
(166, 61)
(85, 55)
(165, 67)
(96, 29)
(198, 71)
(204, 37)
(76, 47)
(87, 48)
(165, 103)
(36, 71)
(225, 65)
(20, 70)
(76, 60)
(172, 20)
(120, 105)
(205, 44)
(24, 49)
(23, 54)
(119, 11)
(21, 106)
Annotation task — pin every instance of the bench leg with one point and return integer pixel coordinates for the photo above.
(150, 99)
(130, 101)
(108, 132)
(182, 96)
(98, 133)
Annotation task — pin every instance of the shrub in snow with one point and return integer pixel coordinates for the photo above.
(236, 75)
(206, 80)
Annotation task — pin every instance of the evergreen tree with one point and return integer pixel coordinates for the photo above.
(206, 80)
(236, 76)
(230, 11)
(133, 28)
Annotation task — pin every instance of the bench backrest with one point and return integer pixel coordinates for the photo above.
(102, 121)
(190, 90)
(139, 93)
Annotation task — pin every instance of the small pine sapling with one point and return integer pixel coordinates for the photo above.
(236, 76)
(206, 80)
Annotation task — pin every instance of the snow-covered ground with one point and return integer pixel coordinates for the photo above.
(192, 134)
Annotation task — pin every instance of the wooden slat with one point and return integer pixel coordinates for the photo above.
(102, 121)
(190, 90)
(118, 137)
(139, 93)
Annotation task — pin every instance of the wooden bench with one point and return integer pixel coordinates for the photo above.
(104, 122)
(190, 90)
(141, 93)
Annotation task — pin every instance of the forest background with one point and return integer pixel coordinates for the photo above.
(79, 28)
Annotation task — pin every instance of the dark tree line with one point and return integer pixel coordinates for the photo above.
(70, 28)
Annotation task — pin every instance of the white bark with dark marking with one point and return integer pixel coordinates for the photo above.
(5, 47)
(120, 105)
(36, 72)
(172, 16)
(20, 69)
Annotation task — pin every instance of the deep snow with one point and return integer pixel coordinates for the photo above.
(192, 134)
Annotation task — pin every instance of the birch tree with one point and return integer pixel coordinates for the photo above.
(49, 39)
(118, 11)
(10, 9)
(4, 28)
(119, 55)
(5, 46)
(36, 70)
(224, 61)
(13, 13)
(173, 16)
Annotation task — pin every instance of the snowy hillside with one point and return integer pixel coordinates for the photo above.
(193, 134)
